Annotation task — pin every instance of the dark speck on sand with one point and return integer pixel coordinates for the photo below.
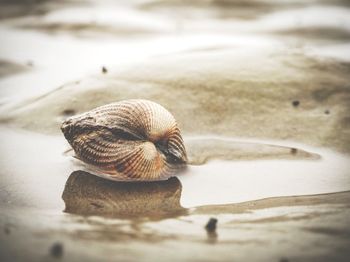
(56, 250)
(296, 103)
(211, 225)
(293, 151)
(7, 230)
(104, 70)
(284, 259)
(68, 112)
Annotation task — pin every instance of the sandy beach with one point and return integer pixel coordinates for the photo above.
(260, 90)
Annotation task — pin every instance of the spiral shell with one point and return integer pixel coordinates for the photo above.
(131, 140)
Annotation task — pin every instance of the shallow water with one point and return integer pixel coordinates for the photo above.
(223, 182)
(214, 182)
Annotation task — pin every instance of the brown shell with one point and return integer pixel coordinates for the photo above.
(131, 140)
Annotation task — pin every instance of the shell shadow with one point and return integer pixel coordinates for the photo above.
(87, 194)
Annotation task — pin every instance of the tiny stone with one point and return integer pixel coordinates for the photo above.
(327, 112)
(56, 250)
(293, 151)
(68, 112)
(7, 230)
(211, 225)
(296, 103)
(104, 70)
(283, 259)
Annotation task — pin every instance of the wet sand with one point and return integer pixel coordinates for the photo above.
(260, 90)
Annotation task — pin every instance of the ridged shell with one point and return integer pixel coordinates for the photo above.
(131, 140)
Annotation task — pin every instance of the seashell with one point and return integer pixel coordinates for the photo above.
(131, 140)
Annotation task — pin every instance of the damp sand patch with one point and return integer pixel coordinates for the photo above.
(292, 97)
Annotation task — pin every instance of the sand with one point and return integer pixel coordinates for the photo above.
(260, 91)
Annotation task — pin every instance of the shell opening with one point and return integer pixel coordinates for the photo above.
(172, 154)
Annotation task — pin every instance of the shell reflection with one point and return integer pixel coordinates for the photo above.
(87, 194)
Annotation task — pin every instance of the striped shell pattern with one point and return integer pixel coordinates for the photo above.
(131, 140)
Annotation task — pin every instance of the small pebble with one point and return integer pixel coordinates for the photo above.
(56, 250)
(7, 230)
(327, 112)
(68, 112)
(283, 259)
(211, 225)
(104, 70)
(296, 103)
(293, 151)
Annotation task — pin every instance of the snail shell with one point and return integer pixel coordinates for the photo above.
(131, 140)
